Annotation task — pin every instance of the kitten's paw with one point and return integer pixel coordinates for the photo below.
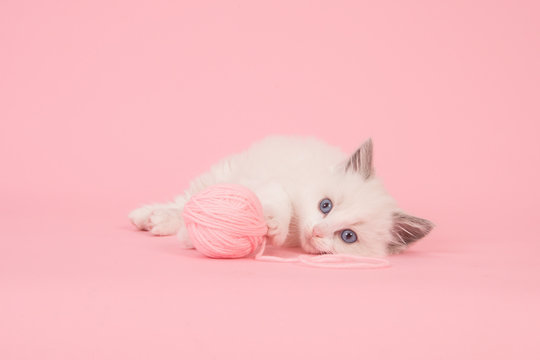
(278, 228)
(140, 217)
(159, 221)
(277, 211)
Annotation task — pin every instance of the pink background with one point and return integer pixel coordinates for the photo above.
(105, 105)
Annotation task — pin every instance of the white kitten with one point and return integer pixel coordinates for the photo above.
(313, 195)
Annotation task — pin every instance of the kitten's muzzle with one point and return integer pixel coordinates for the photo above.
(319, 230)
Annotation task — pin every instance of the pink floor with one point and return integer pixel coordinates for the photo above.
(79, 283)
(105, 105)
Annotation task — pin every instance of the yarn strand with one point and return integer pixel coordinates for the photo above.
(329, 261)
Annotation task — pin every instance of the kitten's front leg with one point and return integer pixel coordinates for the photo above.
(277, 209)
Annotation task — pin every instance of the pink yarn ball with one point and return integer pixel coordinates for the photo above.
(225, 221)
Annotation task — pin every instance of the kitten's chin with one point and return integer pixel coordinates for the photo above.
(312, 250)
(311, 247)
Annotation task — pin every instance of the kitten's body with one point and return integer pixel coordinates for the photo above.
(291, 176)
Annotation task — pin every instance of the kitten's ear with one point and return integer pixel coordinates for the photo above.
(406, 230)
(361, 161)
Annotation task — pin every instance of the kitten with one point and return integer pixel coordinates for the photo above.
(313, 195)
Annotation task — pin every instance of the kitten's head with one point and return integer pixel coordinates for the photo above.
(350, 212)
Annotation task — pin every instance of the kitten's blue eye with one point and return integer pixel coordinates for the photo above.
(348, 236)
(325, 205)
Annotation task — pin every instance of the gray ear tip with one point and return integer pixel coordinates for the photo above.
(369, 142)
(425, 224)
(430, 225)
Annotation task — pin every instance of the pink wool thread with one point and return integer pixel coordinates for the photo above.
(227, 221)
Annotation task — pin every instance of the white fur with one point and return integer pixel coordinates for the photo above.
(291, 175)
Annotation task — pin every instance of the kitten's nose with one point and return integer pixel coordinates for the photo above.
(319, 230)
